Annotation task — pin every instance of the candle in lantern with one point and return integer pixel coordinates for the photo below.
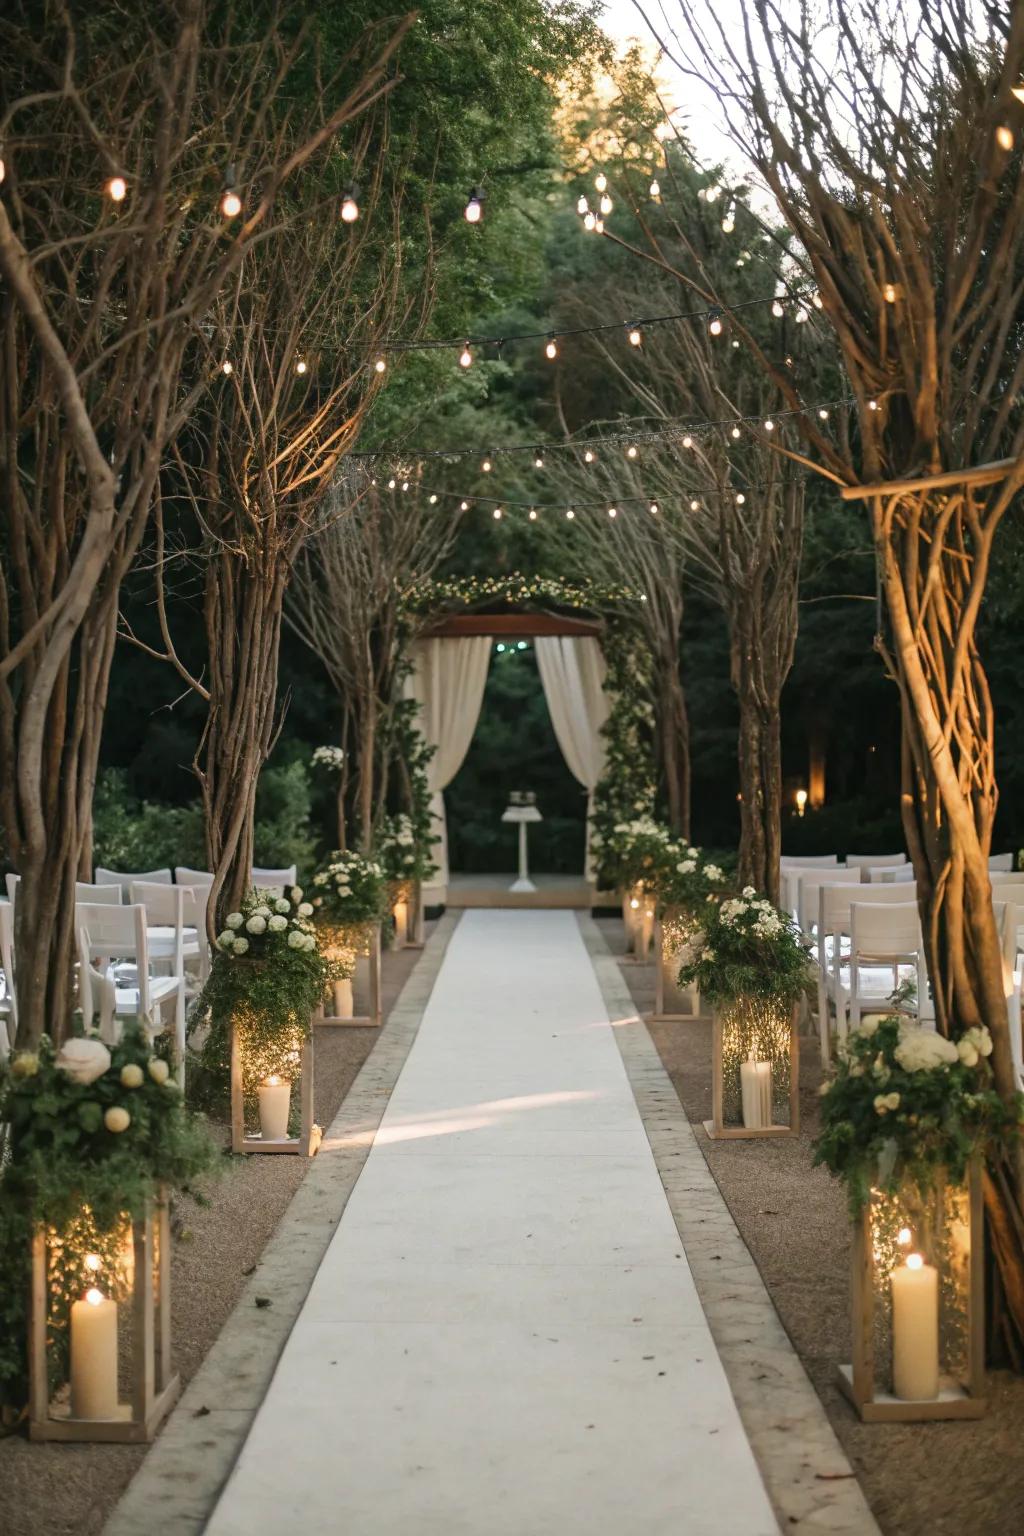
(756, 1093)
(344, 1005)
(94, 1357)
(915, 1329)
(275, 1101)
(401, 916)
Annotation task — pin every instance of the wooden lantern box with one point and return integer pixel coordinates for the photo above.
(146, 1314)
(672, 1003)
(638, 918)
(307, 1142)
(368, 961)
(755, 1077)
(944, 1229)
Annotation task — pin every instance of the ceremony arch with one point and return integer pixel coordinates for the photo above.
(449, 671)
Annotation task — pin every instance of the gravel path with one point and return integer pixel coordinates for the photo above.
(943, 1479)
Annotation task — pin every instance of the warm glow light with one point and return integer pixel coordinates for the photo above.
(589, 456)
(599, 226)
(687, 441)
(273, 1080)
(740, 498)
(230, 203)
(581, 204)
(613, 511)
(463, 506)
(634, 903)
(635, 338)
(903, 1237)
(872, 405)
(631, 451)
(715, 325)
(433, 499)
(801, 801)
(405, 485)
(823, 414)
(778, 309)
(474, 207)
(392, 484)
(93, 1262)
(589, 220)
(1004, 138)
(600, 181)
(465, 357)
(95, 1297)
(496, 514)
(486, 466)
(653, 507)
(694, 506)
(551, 349)
(538, 459)
(915, 1261)
(735, 432)
(889, 293)
(570, 514)
(533, 514)
(349, 205)
(227, 367)
(300, 366)
(769, 425)
(117, 189)
(605, 204)
(655, 189)
(816, 300)
(380, 365)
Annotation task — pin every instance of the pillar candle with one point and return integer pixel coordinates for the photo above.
(343, 1001)
(756, 1093)
(275, 1101)
(401, 924)
(94, 1357)
(915, 1329)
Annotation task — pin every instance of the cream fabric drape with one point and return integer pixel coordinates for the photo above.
(572, 669)
(447, 681)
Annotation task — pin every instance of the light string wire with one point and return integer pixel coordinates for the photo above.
(606, 503)
(673, 432)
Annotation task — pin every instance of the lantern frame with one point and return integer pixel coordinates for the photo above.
(960, 1395)
(716, 1128)
(307, 1142)
(667, 992)
(373, 1017)
(155, 1387)
(639, 923)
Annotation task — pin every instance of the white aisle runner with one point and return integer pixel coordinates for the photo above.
(503, 1338)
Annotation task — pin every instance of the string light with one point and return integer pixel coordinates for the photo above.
(230, 202)
(802, 315)
(533, 514)
(606, 203)
(635, 336)
(715, 322)
(613, 511)
(589, 456)
(405, 485)
(300, 366)
(391, 484)
(433, 499)
(729, 221)
(631, 451)
(653, 508)
(227, 367)
(735, 432)
(487, 466)
(823, 414)
(600, 181)
(474, 208)
(655, 190)
(117, 189)
(694, 506)
(816, 300)
(538, 459)
(769, 425)
(570, 514)
(872, 405)
(463, 506)
(350, 204)
(497, 514)
(465, 357)
(589, 220)
(740, 498)
(380, 365)
(551, 348)
(778, 309)
(889, 293)
(687, 441)
(1004, 137)
(599, 226)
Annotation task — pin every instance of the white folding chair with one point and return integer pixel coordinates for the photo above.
(808, 883)
(889, 874)
(97, 996)
(1007, 918)
(172, 930)
(274, 879)
(119, 934)
(115, 877)
(193, 877)
(884, 940)
(873, 860)
(8, 996)
(833, 947)
(1000, 861)
(111, 894)
(795, 861)
(12, 882)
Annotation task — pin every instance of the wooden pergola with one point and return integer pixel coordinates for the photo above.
(511, 626)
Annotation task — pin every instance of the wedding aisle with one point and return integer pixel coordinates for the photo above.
(504, 1335)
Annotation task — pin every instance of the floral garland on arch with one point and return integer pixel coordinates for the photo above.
(625, 797)
(468, 591)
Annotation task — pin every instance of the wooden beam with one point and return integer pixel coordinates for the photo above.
(983, 474)
(510, 625)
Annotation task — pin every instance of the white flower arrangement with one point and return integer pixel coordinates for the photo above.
(350, 890)
(332, 758)
(263, 921)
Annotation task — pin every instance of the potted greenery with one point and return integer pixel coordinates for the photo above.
(904, 1123)
(350, 898)
(684, 882)
(96, 1137)
(748, 960)
(405, 857)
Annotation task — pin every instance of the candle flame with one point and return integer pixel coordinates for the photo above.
(915, 1261)
(94, 1297)
(273, 1080)
(93, 1261)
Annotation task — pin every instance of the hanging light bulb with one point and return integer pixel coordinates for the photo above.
(581, 204)
(735, 345)
(631, 451)
(599, 226)
(606, 205)
(823, 414)
(600, 181)
(735, 432)
(465, 357)
(589, 456)
(716, 324)
(350, 204)
(392, 483)
(655, 190)
(889, 293)
(687, 441)
(474, 208)
(613, 511)
(380, 365)
(532, 514)
(778, 309)
(816, 299)
(872, 405)
(1004, 137)
(117, 189)
(463, 506)
(551, 348)
(740, 498)
(496, 514)
(589, 220)
(802, 315)
(405, 485)
(301, 365)
(653, 509)
(538, 458)
(769, 425)
(570, 514)
(230, 202)
(227, 367)
(694, 506)
(729, 221)
(433, 499)
(486, 466)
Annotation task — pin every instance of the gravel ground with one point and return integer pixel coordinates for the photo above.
(939, 1479)
(57, 1490)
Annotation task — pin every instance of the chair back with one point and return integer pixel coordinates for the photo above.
(1007, 886)
(110, 894)
(884, 931)
(873, 860)
(809, 861)
(274, 879)
(115, 877)
(7, 961)
(194, 877)
(1001, 861)
(835, 901)
(889, 874)
(164, 904)
(96, 993)
(196, 899)
(118, 933)
(805, 885)
(12, 882)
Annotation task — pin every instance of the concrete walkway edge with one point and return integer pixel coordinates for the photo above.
(178, 1484)
(809, 1480)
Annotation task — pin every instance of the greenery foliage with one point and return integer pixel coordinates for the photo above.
(687, 880)
(627, 789)
(91, 1133)
(908, 1104)
(746, 948)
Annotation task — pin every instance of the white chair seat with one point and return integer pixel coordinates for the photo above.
(162, 943)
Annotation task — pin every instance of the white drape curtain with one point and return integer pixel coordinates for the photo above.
(447, 681)
(572, 670)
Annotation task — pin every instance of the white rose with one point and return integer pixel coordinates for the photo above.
(310, 941)
(117, 1119)
(282, 906)
(277, 923)
(241, 945)
(968, 1053)
(296, 893)
(305, 909)
(296, 939)
(234, 920)
(83, 1060)
(256, 924)
(260, 911)
(131, 1075)
(226, 940)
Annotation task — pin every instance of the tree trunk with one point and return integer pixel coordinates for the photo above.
(674, 723)
(760, 753)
